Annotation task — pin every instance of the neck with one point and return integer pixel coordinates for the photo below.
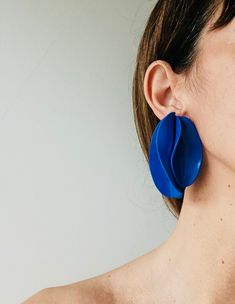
(202, 247)
(197, 262)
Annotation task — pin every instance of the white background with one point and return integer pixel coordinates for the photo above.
(76, 195)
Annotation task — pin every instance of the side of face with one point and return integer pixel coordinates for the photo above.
(207, 96)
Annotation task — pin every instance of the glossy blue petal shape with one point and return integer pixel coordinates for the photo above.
(175, 155)
(161, 146)
(186, 159)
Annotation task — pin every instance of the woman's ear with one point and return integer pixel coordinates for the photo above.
(159, 83)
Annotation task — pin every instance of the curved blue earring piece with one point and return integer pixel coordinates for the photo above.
(175, 155)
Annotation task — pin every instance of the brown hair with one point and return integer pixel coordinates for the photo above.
(171, 33)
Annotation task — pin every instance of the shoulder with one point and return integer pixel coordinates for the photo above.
(89, 291)
(42, 296)
(62, 294)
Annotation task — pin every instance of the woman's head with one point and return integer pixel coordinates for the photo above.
(186, 64)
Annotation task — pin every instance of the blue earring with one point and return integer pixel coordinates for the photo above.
(175, 155)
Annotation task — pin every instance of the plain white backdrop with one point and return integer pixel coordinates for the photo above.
(76, 194)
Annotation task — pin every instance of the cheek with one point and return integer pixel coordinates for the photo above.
(214, 118)
(213, 104)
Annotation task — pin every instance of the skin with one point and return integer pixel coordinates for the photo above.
(196, 264)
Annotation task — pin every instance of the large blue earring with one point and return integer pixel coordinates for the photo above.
(175, 155)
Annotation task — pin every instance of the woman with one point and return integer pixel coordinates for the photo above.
(185, 64)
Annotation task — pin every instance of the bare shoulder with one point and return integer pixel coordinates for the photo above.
(42, 296)
(79, 293)
(90, 291)
(120, 285)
